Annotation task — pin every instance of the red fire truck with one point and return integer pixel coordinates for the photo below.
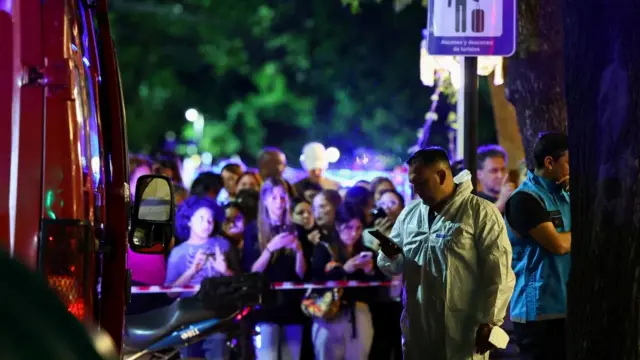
(64, 197)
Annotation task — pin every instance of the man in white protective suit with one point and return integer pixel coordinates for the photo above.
(456, 262)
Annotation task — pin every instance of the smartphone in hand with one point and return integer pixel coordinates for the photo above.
(287, 228)
(387, 246)
(378, 213)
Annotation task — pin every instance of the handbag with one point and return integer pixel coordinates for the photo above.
(323, 304)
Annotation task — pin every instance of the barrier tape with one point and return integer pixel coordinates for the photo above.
(155, 289)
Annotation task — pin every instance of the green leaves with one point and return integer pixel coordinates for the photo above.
(280, 74)
(226, 55)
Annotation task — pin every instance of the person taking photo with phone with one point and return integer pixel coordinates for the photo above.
(204, 254)
(453, 250)
(348, 335)
(387, 341)
(276, 252)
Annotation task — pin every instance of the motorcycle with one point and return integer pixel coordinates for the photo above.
(220, 306)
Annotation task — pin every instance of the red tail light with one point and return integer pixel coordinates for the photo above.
(66, 258)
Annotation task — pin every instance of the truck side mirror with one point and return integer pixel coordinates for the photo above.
(153, 215)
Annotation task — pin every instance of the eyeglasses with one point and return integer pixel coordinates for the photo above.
(388, 204)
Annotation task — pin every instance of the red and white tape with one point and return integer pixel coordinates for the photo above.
(276, 286)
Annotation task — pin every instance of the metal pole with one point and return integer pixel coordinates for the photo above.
(470, 100)
(460, 114)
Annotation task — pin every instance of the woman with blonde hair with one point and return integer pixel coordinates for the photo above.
(274, 250)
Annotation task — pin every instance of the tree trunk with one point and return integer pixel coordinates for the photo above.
(603, 103)
(534, 77)
(506, 125)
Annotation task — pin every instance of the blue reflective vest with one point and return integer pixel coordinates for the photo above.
(541, 277)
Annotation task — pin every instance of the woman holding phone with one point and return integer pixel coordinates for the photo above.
(277, 253)
(386, 314)
(350, 335)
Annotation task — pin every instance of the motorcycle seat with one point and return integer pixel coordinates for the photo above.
(143, 330)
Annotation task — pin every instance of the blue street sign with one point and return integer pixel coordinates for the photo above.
(471, 27)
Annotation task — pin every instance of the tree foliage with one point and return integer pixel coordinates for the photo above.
(534, 76)
(278, 73)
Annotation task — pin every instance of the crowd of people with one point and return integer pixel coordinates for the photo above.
(256, 221)
(459, 261)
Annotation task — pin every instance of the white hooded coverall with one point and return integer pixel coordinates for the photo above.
(457, 274)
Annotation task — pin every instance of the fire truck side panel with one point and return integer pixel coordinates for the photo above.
(95, 127)
(22, 106)
(64, 164)
(91, 72)
(116, 175)
(63, 183)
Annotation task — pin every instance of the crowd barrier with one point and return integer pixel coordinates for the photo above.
(276, 286)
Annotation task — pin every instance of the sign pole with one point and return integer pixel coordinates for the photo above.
(460, 114)
(470, 115)
(468, 29)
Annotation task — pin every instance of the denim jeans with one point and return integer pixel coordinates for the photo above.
(278, 342)
(213, 347)
(335, 340)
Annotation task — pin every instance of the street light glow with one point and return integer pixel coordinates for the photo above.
(191, 115)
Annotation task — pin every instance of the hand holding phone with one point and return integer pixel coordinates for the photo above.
(388, 247)
(378, 213)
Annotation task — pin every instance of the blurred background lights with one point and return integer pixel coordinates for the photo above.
(207, 158)
(192, 149)
(191, 115)
(333, 154)
(195, 158)
(364, 160)
(170, 136)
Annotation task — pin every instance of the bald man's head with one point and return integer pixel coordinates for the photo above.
(271, 162)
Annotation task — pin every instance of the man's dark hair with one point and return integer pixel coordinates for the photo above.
(207, 182)
(489, 151)
(233, 168)
(429, 156)
(552, 144)
(305, 185)
(457, 167)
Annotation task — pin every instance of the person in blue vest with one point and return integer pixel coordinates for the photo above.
(538, 217)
